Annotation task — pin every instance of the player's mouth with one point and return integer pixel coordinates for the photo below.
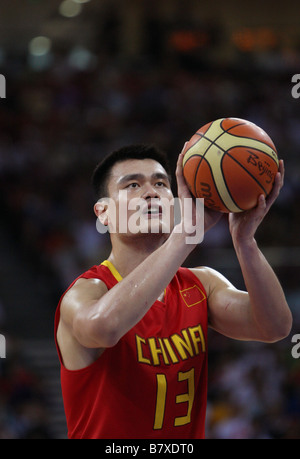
(153, 210)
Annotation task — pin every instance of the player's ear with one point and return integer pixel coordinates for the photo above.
(100, 209)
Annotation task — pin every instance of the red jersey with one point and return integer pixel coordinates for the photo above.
(153, 382)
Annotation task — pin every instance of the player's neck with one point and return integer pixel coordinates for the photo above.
(128, 253)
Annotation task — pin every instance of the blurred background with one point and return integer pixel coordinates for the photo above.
(85, 77)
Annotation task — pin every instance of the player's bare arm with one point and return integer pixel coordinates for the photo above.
(77, 349)
(101, 322)
(93, 318)
(262, 312)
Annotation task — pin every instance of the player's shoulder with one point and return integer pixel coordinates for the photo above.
(203, 271)
(209, 277)
(85, 287)
(81, 293)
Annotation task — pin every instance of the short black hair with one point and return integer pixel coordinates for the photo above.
(102, 171)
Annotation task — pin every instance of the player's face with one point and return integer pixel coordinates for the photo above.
(140, 198)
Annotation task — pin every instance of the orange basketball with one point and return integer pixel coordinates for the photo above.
(230, 162)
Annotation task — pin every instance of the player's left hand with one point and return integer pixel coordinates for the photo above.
(243, 225)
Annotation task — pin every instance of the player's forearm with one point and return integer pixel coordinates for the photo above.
(126, 303)
(269, 308)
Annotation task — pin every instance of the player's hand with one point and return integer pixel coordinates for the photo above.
(211, 217)
(182, 188)
(243, 225)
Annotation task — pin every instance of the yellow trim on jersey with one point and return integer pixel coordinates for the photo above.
(112, 269)
(116, 274)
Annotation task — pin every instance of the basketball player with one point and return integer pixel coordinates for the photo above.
(131, 332)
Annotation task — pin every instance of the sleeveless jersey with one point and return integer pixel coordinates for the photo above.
(153, 382)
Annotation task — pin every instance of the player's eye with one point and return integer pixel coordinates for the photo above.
(132, 185)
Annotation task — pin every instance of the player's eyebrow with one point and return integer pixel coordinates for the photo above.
(129, 177)
(161, 175)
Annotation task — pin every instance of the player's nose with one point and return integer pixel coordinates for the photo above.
(150, 192)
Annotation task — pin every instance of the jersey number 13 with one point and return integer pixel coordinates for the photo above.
(161, 396)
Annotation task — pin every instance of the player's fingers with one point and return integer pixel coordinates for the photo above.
(179, 164)
(180, 158)
(279, 179)
(278, 184)
(262, 204)
(179, 168)
(281, 171)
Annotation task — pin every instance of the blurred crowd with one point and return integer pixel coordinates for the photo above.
(24, 409)
(253, 390)
(56, 125)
